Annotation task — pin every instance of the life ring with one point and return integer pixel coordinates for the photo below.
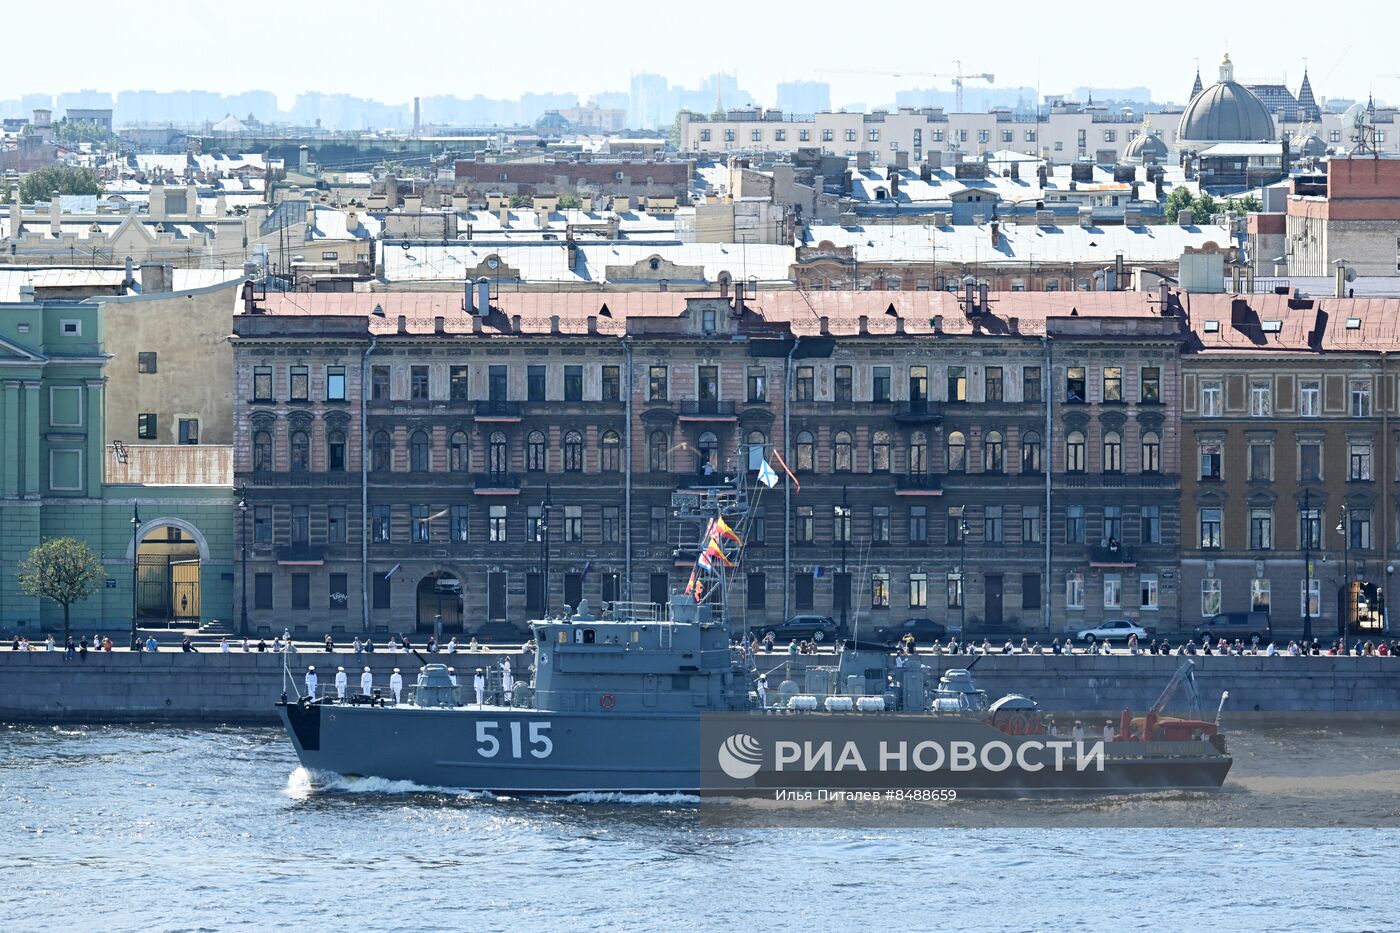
(607, 701)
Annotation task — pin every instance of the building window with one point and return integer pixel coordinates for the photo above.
(918, 383)
(805, 525)
(991, 525)
(880, 452)
(573, 524)
(758, 528)
(612, 524)
(953, 590)
(420, 526)
(534, 523)
(993, 459)
(918, 591)
(262, 384)
(806, 451)
(1310, 528)
(1210, 527)
(780, 135)
(496, 527)
(1309, 461)
(841, 523)
(301, 591)
(804, 136)
(657, 384)
(841, 451)
(418, 383)
(300, 444)
(1361, 398)
(828, 136)
(300, 384)
(1210, 459)
(756, 136)
(918, 524)
(757, 384)
(1074, 385)
(262, 450)
(1360, 527)
(879, 591)
(1261, 461)
(535, 452)
(805, 385)
(657, 526)
(1210, 598)
(612, 384)
(335, 383)
(381, 451)
(729, 136)
(573, 383)
(1261, 399)
(850, 136)
(536, 378)
(1074, 452)
(1074, 524)
(1261, 529)
(1030, 452)
(957, 383)
(1151, 385)
(1260, 595)
(610, 448)
(842, 384)
(301, 524)
(1030, 384)
(658, 452)
(459, 452)
(1113, 524)
(1113, 383)
(146, 362)
(573, 452)
(1211, 393)
(1151, 452)
(1147, 592)
(262, 524)
(1074, 591)
(335, 524)
(379, 383)
(498, 453)
(957, 452)
(1359, 460)
(880, 524)
(380, 524)
(992, 382)
(1151, 524)
(459, 383)
(189, 430)
(704, 136)
(880, 383)
(1112, 452)
(1030, 524)
(1112, 591)
(146, 426)
(1311, 602)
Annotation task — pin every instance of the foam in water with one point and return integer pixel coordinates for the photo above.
(304, 783)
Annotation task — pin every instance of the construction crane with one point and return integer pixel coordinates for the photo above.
(958, 77)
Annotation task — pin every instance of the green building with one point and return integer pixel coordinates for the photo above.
(54, 472)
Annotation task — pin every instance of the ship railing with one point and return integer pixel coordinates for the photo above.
(636, 611)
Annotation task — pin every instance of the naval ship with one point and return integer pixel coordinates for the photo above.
(645, 699)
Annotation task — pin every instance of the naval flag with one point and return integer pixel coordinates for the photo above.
(766, 475)
(393, 570)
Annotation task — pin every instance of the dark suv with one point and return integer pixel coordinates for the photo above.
(1246, 626)
(800, 628)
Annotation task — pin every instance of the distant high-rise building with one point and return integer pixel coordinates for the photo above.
(648, 100)
(804, 96)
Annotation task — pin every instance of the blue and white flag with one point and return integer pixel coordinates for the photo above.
(767, 476)
(818, 571)
(393, 570)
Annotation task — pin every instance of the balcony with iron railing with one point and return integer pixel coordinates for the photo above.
(496, 484)
(918, 411)
(1111, 554)
(919, 484)
(707, 409)
(301, 553)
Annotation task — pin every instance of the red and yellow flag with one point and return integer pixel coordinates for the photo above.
(715, 552)
(720, 527)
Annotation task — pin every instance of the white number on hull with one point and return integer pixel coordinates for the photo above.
(489, 746)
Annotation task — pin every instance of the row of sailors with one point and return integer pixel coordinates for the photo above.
(342, 682)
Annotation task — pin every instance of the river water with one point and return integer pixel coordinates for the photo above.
(154, 828)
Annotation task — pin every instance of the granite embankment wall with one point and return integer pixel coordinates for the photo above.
(212, 687)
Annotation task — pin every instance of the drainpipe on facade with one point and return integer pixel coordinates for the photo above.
(364, 482)
(1385, 480)
(1047, 461)
(787, 483)
(627, 483)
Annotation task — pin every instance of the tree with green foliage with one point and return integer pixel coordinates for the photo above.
(40, 184)
(1204, 207)
(1249, 204)
(520, 200)
(1179, 200)
(82, 131)
(64, 570)
(568, 202)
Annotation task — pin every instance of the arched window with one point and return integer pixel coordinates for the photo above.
(611, 452)
(535, 452)
(1030, 452)
(573, 452)
(758, 449)
(381, 451)
(707, 451)
(1112, 452)
(880, 452)
(1151, 452)
(461, 452)
(301, 452)
(918, 453)
(659, 452)
(806, 451)
(993, 450)
(335, 451)
(841, 462)
(418, 448)
(262, 450)
(957, 452)
(1074, 452)
(499, 455)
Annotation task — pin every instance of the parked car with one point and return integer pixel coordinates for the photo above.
(1111, 630)
(1247, 626)
(925, 631)
(800, 628)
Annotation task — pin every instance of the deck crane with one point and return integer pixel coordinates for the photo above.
(958, 77)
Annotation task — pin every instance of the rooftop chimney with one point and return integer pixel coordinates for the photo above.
(468, 301)
(825, 326)
(982, 303)
(996, 234)
(1185, 218)
(403, 324)
(515, 323)
(936, 322)
(55, 215)
(554, 324)
(439, 325)
(593, 323)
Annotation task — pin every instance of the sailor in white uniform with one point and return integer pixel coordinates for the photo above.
(479, 685)
(507, 683)
(340, 682)
(396, 685)
(311, 681)
(367, 683)
(452, 675)
(763, 692)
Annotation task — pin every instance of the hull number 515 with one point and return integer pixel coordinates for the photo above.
(489, 743)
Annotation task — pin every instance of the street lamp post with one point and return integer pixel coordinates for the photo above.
(543, 535)
(845, 578)
(962, 572)
(1345, 617)
(135, 556)
(1307, 567)
(243, 562)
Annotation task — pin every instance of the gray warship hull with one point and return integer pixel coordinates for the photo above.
(517, 751)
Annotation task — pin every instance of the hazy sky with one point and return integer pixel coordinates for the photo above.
(393, 51)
